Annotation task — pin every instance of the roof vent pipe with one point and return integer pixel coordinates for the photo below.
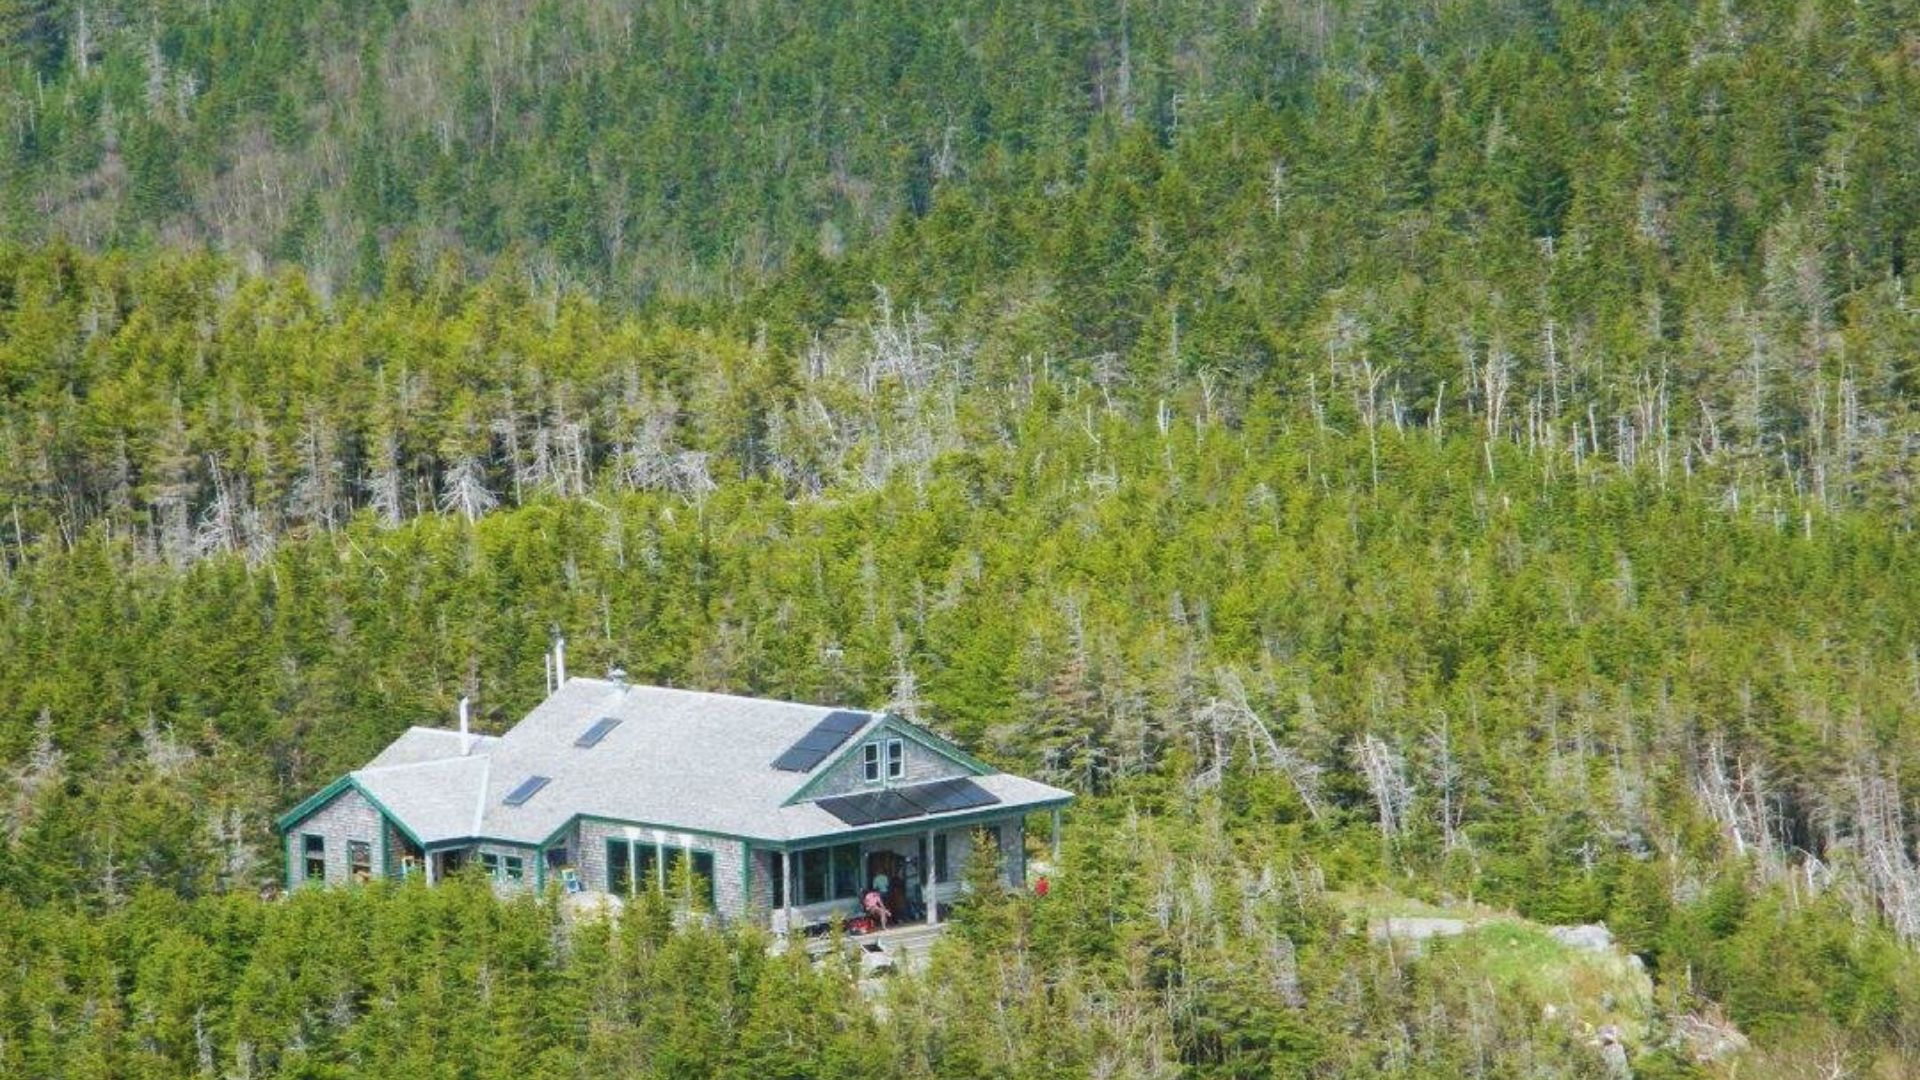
(466, 734)
(619, 677)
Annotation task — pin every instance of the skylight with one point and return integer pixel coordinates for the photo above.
(527, 789)
(593, 735)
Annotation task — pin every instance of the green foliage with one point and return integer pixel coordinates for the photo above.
(1172, 400)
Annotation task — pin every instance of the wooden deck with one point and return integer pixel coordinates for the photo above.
(902, 947)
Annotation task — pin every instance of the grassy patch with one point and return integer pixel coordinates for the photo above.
(1515, 957)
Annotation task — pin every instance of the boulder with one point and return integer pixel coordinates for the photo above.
(1415, 928)
(1592, 937)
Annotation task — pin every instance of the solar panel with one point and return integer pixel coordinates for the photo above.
(593, 735)
(825, 737)
(918, 800)
(851, 809)
(892, 806)
(527, 789)
(937, 797)
(958, 795)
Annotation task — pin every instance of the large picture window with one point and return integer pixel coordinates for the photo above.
(702, 873)
(828, 873)
(634, 865)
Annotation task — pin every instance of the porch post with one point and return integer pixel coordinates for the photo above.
(933, 882)
(426, 861)
(786, 887)
(1056, 838)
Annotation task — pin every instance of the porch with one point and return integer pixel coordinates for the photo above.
(918, 872)
(903, 948)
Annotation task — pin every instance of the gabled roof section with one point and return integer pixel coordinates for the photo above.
(311, 803)
(436, 801)
(892, 724)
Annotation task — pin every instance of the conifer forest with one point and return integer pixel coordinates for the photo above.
(1395, 463)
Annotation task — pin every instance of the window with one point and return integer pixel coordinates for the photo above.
(359, 860)
(896, 759)
(871, 752)
(620, 867)
(631, 866)
(315, 850)
(702, 882)
(828, 873)
(513, 867)
(846, 871)
(816, 876)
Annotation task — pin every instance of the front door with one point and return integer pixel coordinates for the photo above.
(894, 867)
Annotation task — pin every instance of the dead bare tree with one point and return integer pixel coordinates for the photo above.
(1385, 771)
(1444, 771)
(43, 770)
(465, 491)
(1736, 799)
(1229, 717)
(1886, 861)
(219, 528)
(383, 487)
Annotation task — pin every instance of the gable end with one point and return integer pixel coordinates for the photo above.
(929, 757)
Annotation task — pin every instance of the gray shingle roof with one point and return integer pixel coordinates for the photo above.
(438, 800)
(420, 744)
(679, 759)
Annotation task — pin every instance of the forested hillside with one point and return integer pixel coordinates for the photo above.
(1441, 452)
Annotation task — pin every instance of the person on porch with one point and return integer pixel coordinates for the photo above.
(876, 908)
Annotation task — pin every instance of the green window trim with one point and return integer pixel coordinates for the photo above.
(633, 865)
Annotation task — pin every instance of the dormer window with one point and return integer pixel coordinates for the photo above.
(890, 755)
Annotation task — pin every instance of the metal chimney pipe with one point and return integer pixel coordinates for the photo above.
(559, 662)
(466, 734)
